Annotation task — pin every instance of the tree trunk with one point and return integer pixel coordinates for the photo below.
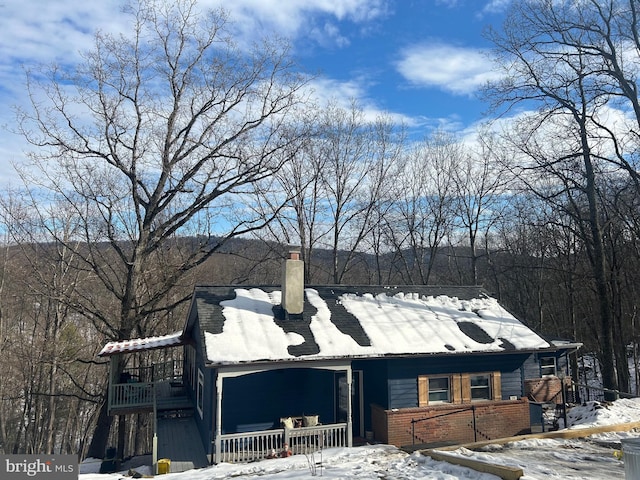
(122, 435)
(100, 437)
(609, 378)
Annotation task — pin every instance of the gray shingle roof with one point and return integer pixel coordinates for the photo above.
(209, 311)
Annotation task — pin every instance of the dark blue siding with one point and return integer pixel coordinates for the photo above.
(258, 401)
(374, 374)
(512, 384)
(206, 422)
(403, 392)
(531, 367)
(375, 390)
(404, 372)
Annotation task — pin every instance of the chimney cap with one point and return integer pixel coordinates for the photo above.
(294, 254)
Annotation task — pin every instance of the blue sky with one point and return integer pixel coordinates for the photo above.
(422, 61)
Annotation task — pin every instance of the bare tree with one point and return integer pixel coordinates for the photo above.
(301, 223)
(479, 188)
(575, 61)
(605, 35)
(338, 186)
(422, 213)
(163, 132)
(389, 142)
(357, 156)
(43, 333)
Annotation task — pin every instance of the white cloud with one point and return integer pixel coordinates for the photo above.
(454, 69)
(329, 35)
(496, 6)
(58, 30)
(325, 90)
(294, 17)
(39, 32)
(448, 3)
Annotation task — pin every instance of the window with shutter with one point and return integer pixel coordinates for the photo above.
(459, 388)
(439, 391)
(433, 390)
(480, 386)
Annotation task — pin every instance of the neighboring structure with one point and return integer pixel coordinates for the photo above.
(545, 372)
(315, 367)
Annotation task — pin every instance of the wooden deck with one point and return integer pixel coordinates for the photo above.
(178, 436)
(179, 441)
(138, 397)
(172, 396)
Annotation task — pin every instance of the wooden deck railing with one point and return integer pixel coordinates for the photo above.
(158, 372)
(131, 395)
(250, 446)
(135, 390)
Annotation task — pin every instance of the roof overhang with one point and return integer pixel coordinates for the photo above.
(567, 346)
(240, 369)
(301, 361)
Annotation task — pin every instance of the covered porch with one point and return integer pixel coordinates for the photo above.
(252, 446)
(281, 410)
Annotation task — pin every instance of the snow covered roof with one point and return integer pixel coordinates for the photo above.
(240, 325)
(139, 344)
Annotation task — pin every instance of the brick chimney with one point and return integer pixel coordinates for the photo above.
(293, 284)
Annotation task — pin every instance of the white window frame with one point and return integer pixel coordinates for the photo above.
(432, 390)
(200, 393)
(480, 388)
(192, 366)
(546, 368)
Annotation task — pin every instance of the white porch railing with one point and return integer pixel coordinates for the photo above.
(250, 446)
(309, 439)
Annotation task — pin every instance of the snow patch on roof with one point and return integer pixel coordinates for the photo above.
(249, 330)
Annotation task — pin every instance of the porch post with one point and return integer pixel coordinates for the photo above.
(349, 408)
(113, 374)
(218, 434)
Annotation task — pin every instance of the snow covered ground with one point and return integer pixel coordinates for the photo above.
(592, 458)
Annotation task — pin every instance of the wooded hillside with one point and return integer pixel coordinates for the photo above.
(171, 156)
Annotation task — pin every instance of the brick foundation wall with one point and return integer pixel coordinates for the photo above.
(379, 423)
(451, 424)
(547, 389)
